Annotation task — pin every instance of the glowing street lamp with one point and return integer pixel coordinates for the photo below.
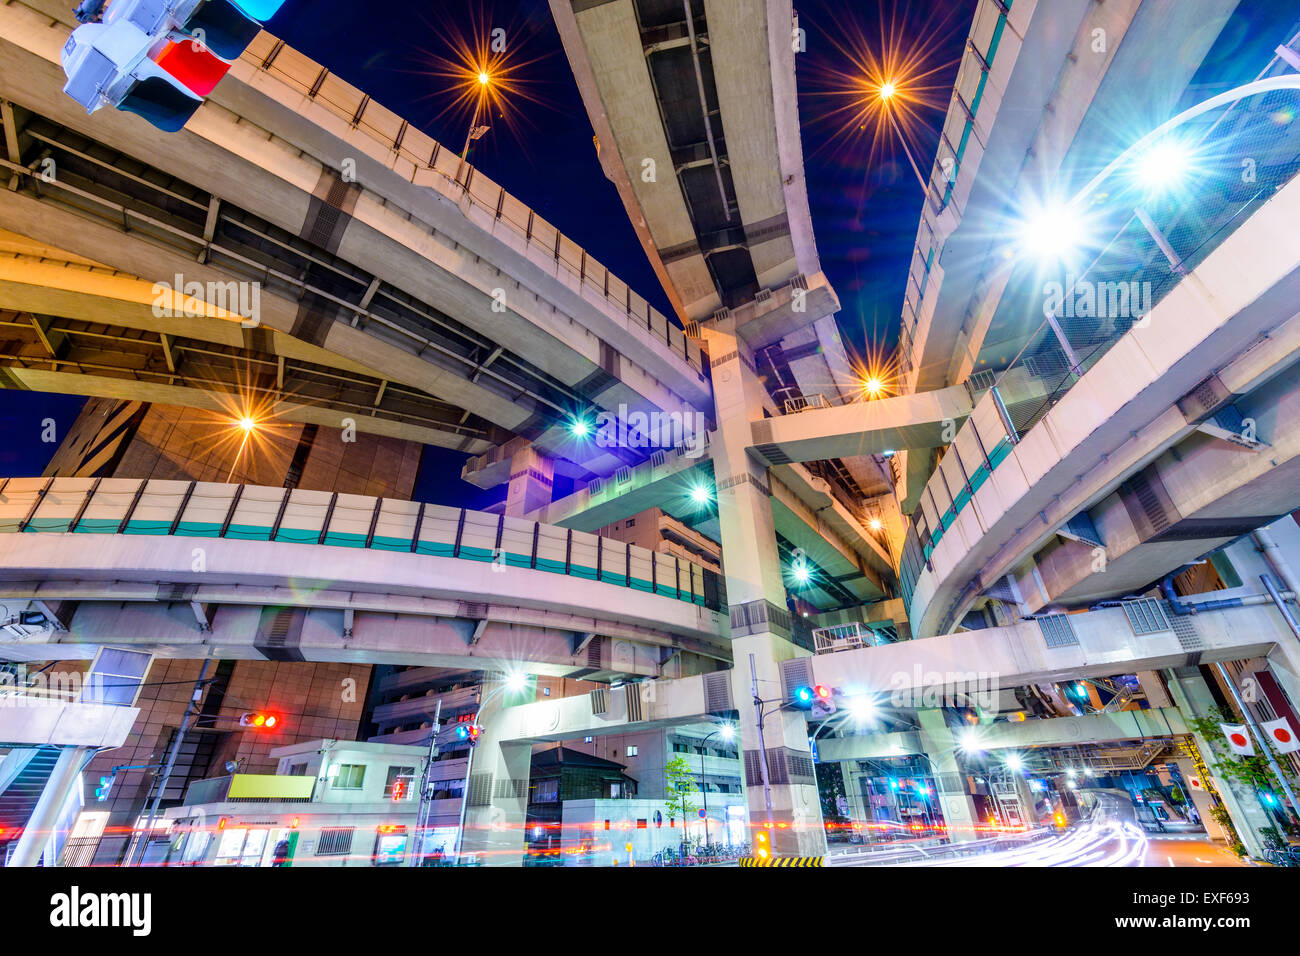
(248, 425)
(887, 89)
(701, 494)
(579, 427)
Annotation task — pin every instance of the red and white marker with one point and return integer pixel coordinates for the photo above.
(1281, 736)
(1239, 739)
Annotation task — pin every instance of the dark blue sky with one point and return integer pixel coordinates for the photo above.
(865, 205)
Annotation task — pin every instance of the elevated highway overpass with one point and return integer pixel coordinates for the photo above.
(372, 241)
(1236, 329)
(197, 569)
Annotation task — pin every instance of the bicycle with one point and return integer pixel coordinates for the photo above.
(1282, 855)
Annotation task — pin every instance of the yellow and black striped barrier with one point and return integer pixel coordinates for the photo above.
(782, 861)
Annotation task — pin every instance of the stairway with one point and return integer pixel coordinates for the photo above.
(23, 773)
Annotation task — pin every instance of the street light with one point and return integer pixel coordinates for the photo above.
(514, 681)
(701, 495)
(728, 733)
(248, 425)
(475, 130)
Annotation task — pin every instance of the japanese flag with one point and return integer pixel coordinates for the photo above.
(1281, 735)
(1238, 739)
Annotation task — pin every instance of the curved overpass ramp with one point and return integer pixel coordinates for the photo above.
(199, 569)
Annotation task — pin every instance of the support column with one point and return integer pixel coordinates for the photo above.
(531, 477)
(45, 815)
(1192, 696)
(760, 621)
(940, 746)
(1154, 688)
(496, 793)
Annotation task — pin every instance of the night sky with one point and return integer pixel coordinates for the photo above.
(865, 199)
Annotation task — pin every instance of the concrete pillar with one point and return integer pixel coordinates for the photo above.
(761, 627)
(1284, 665)
(531, 478)
(940, 745)
(1192, 696)
(1201, 799)
(45, 815)
(1154, 688)
(496, 797)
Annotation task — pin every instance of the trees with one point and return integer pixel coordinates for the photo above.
(679, 785)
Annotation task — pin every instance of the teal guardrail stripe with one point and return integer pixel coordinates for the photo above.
(44, 526)
(149, 527)
(346, 539)
(246, 532)
(98, 525)
(435, 548)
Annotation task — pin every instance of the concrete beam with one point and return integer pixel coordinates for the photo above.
(863, 428)
(1004, 735)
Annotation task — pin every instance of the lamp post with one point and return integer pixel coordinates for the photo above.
(728, 731)
(247, 424)
(475, 131)
(513, 682)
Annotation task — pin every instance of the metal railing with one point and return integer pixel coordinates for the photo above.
(415, 155)
(841, 637)
(204, 509)
(1152, 247)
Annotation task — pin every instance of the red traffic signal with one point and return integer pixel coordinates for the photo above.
(257, 720)
(470, 732)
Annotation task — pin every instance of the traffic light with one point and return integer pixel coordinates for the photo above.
(818, 698)
(469, 732)
(762, 845)
(157, 58)
(823, 704)
(105, 785)
(259, 721)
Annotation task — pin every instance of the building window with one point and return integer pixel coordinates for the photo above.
(335, 841)
(586, 740)
(297, 770)
(546, 791)
(630, 522)
(400, 778)
(631, 751)
(350, 776)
